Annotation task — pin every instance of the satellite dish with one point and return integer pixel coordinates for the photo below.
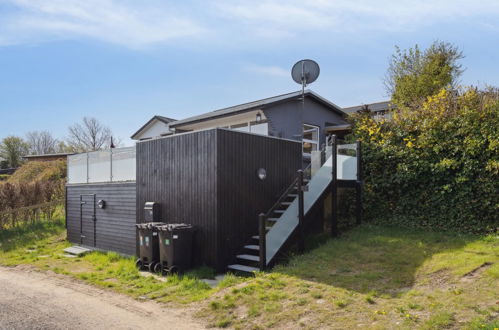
(305, 72)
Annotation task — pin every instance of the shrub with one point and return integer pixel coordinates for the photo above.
(39, 171)
(435, 165)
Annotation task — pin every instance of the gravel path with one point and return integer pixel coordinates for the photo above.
(35, 300)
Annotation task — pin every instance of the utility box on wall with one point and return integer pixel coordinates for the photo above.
(151, 212)
(212, 180)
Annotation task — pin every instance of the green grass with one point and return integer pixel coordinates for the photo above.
(371, 277)
(41, 245)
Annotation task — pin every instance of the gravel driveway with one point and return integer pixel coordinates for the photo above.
(34, 300)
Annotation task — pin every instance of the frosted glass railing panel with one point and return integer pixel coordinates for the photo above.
(123, 164)
(347, 167)
(77, 168)
(99, 166)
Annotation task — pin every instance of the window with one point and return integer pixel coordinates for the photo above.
(260, 127)
(310, 139)
(241, 127)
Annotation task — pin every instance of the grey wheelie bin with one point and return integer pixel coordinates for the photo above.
(175, 248)
(148, 245)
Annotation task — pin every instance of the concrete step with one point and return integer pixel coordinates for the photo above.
(243, 268)
(77, 250)
(248, 257)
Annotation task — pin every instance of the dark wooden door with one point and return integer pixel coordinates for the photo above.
(87, 220)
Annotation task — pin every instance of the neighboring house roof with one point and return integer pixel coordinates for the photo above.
(55, 155)
(165, 120)
(377, 106)
(257, 104)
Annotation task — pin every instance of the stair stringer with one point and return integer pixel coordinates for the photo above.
(279, 233)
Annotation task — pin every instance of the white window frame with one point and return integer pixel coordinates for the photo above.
(311, 128)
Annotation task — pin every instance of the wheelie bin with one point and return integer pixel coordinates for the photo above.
(148, 245)
(175, 248)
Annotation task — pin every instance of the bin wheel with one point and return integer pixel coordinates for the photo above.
(151, 266)
(173, 270)
(139, 264)
(158, 268)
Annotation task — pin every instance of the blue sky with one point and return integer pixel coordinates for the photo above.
(125, 61)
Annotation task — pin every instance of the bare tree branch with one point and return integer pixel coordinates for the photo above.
(41, 142)
(90, 135)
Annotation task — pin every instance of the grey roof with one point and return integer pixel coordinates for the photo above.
(255, 105)
(50, 155)
(165, 120)
(377, 106)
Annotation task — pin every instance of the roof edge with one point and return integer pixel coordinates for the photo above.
(156, 117)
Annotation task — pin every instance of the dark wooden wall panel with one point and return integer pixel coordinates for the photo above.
(241, 194)
(209, 179)
(115, 226)
(179, 172)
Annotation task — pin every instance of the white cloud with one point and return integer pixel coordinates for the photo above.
(269, 70)
(294, 16)
(122, 23)
(139, 24)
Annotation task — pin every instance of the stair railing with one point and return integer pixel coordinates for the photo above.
(297, 183)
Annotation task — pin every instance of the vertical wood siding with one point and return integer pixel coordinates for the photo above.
(209, 179)
(115, 224)
(179, 172)
(241, 194)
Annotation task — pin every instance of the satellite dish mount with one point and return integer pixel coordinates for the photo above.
(305, 72)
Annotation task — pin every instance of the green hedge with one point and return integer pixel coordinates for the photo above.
(434, 165)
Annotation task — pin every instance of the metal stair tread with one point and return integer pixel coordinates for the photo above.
(273, 219)
(248, 257)
(252, 247)
(255, 237)
(243, 268)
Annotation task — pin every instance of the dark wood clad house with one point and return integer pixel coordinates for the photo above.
(209, 179)
(201, 170)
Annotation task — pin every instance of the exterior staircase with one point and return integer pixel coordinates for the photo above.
(283, 219)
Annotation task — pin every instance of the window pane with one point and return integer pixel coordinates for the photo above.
(262, 129)
(308, 147)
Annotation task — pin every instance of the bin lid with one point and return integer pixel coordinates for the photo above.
(149, 225)
(174, 226)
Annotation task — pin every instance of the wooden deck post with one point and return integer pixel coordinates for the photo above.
(358, 185)
(301, 215)
(262, 232)
(334, 187)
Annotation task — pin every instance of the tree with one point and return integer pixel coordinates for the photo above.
(413, 74)
(12, 149)
(90, 135)
(41, 142)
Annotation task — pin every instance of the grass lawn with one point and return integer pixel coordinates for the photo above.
(372, 277)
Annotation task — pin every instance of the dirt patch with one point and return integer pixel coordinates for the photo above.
(440, 279)
(475, 273)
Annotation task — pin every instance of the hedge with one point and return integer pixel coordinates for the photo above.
(435, 165)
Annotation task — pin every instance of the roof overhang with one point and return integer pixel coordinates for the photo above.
(255, 106)
(338, 128)
(149, 123)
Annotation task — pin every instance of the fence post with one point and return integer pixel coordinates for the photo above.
(358, 184)
(262, 241)
(301, 215)
(334, 187)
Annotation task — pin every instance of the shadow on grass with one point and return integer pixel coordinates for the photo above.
(26, 234)
(371, 258)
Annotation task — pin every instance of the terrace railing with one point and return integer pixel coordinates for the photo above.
(113, 165)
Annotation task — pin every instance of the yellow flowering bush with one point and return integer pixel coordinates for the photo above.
(434, 165)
